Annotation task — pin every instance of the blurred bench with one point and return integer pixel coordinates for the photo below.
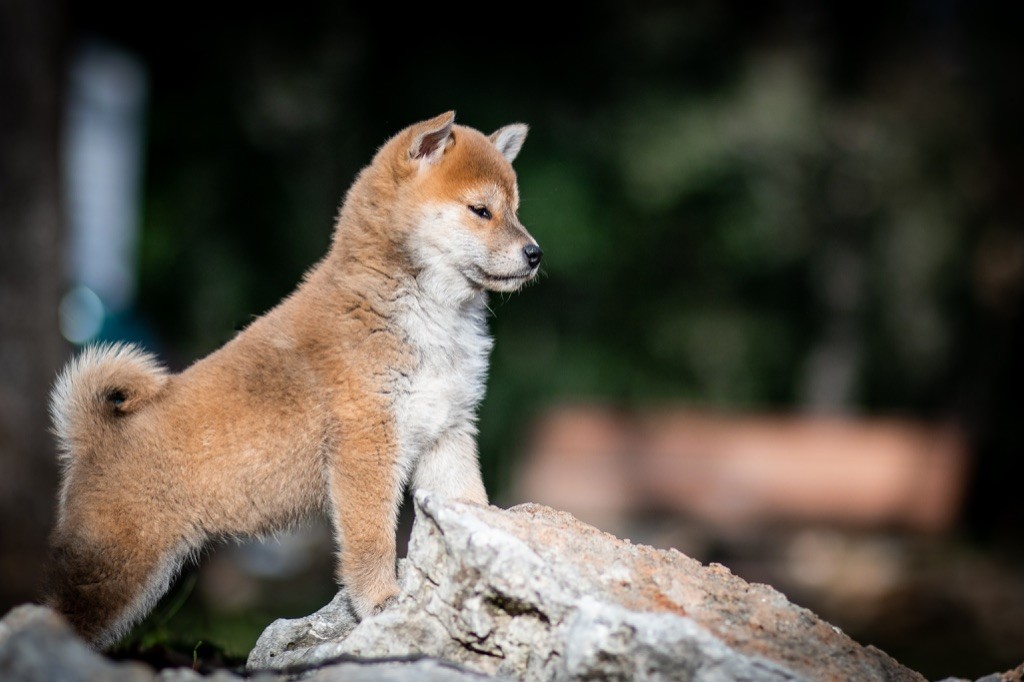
(604, 465)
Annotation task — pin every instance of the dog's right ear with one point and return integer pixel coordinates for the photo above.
(430, 139)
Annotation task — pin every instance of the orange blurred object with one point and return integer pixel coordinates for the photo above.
(605, 465)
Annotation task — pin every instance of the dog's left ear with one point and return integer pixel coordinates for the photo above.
(430, 138)
(509, 139)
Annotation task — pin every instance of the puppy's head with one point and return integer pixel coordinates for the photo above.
(460, 198)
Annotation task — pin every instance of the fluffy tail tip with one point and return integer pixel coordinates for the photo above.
(103, 381)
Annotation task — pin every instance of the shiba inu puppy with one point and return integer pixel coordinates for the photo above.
(364, 380)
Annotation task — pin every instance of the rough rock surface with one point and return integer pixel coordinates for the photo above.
(1015, 675)
(527, 593)
(533, 593)
(294, 642)
(37, 645)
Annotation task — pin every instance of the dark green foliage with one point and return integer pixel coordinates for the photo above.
(771, 209)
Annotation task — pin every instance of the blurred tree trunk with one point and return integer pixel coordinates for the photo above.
(31, 88)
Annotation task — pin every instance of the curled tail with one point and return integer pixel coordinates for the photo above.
(102, 384)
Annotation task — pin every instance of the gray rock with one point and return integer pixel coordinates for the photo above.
(1015, 675)
(189, 675)
(291, 642)
(532, 593)
(422, 670)
(527, 593)
(37, 645)
(609, 642)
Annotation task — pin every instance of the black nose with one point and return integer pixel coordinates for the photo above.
(533, 254)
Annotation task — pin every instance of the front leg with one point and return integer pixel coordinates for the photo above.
(452, 468)
(365, 495)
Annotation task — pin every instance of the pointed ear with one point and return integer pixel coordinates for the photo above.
(430, 138)
(509, 140)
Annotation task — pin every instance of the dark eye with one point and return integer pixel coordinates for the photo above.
(481, 211)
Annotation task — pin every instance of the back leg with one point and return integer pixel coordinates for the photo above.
(103, 589)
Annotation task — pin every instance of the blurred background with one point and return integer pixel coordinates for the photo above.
(779, 322)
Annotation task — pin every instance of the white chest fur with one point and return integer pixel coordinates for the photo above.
(441, 393)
